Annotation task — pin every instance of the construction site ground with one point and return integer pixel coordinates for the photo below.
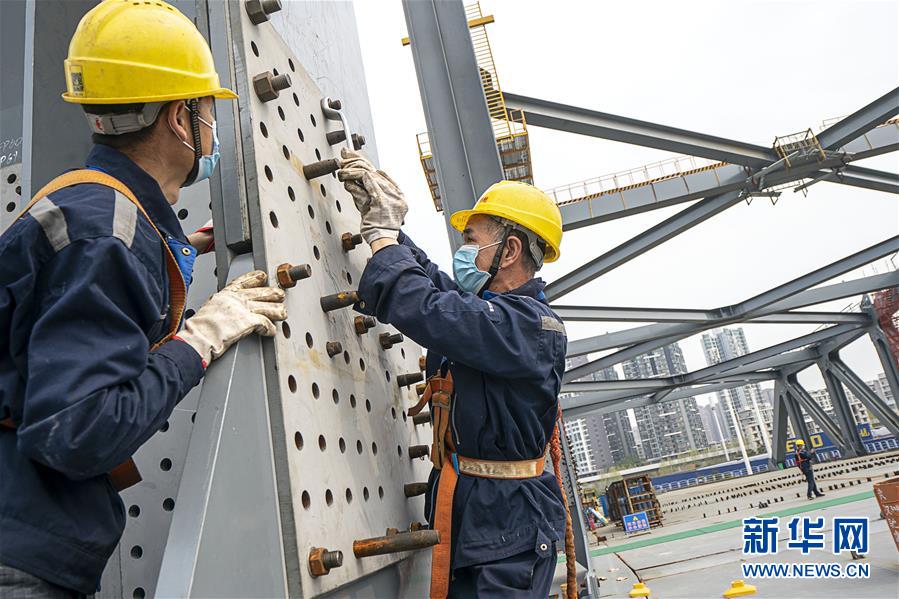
(698, 550)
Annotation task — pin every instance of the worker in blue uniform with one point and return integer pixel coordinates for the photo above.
(496, 354)
(804, 462)
(93, 275)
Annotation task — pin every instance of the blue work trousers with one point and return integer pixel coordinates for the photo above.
(525, 575)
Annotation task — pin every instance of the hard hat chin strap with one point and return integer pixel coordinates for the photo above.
(498, 256)
(193, 106)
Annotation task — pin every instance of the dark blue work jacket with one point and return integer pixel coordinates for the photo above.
(83, 295)
(507, 355)
(805, 464)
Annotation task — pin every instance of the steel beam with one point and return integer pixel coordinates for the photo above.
(814, 410)
(738, 312)
(853, 443)
(779, 426)
(642, 243)
(877, 141)
(867, 178)
(888, 361)
(869, 399)
(800, 430)
(455, 108)
(624, 314)
(649, 385)
(861, 121)
(562, 117)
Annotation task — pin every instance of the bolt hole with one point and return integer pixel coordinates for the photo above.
(291, 194)
(285, 328)
(362, 364)
(387, 374)
(365, 493)
(346, 358)
(292, 384)
(309, 340)
(399, 451)
(164, 427)
(296, 100)
(165, 465)
(349, 496)
(290, 64)
(306, 501)
(312, 118)
(315, 390)
(337, 205)
(322, 189)
(374, 449)
(182, 214)
(263, 128)
(367, 406)
(254, 49)
(139, 593)
(286, 152)
(137, 552)
(268, 173)
(11, 179)
(393, 413)
(275, 72)
(11, 206)
(134, 511)
(274, 218)
(189, 313)
(352, 401)
(168, 504)
(322, 444)
(300, 134)
(318, 155)
(342, 445)
(335, 396)
(380, 492)
(403, 353)
(281, 113)
(404, 415)
(329, 497)
(316, 253)
(298, 440)
(311, 211)
(359, 447)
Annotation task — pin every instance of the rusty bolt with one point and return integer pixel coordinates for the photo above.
(259, 10)
(395, 543)
(289, 274)
(416, 526)
(350, 241)
(422, 363)
(321, 560)
(418, 451)
(415, 489)
(358, 141)
(391, 532)
(387, 340)
(420, 389)
(333, 348)
(421, 418)
(404, 380)
(339, 300)
(335, 104)
(363, 323)
(321, 168)
(268, 87)
(335, 137)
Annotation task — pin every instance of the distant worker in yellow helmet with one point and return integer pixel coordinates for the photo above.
(94, 352)
(496, 354)
(803, 459)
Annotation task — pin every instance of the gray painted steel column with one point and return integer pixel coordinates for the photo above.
(815, 411)
(869, 399)
(796, 418)
(779, 426)
(842, 411)
(55, 133)
(887, 361)
(455, 108)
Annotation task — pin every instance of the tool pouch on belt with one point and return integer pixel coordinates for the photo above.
(125, 474)
(439, 391)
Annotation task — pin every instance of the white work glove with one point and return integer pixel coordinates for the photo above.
(378, 198)
(243, 307)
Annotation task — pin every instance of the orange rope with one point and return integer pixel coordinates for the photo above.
(555, 451)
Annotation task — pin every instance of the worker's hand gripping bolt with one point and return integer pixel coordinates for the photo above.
(378, 198)
(243, 307)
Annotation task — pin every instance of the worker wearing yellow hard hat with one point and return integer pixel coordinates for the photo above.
(496, 354)
(803, 458)
(93, 279)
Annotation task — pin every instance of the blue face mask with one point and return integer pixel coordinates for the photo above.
(468, 276)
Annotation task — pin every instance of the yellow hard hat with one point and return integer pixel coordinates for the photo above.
(129, 52)
(523, 205)
(800, 442)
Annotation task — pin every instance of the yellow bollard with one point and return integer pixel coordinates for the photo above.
(639, 590)
(738, 588)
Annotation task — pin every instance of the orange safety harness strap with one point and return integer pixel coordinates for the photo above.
(555, 450)
(125, 474)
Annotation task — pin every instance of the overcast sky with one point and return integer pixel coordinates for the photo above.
(747, 70)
